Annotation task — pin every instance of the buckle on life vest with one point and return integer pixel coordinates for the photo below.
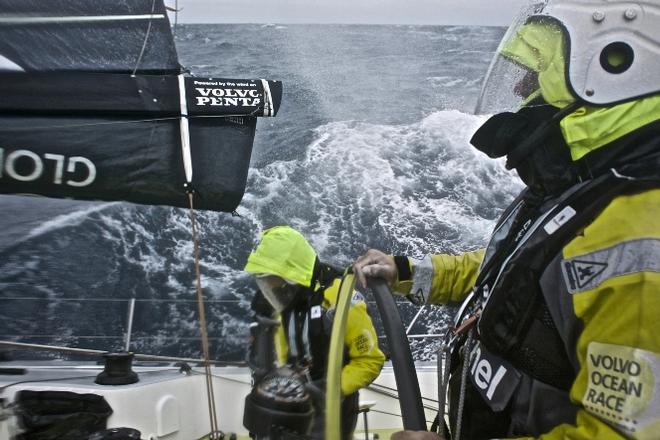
(467, 324)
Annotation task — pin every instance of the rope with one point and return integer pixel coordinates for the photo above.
(380, 411)
(176, 18)
(414, 320)
(89, 352)
(98, 124)
(141, 338)
(375, 388)
(464, 373)
(202, 322)
(55, 379)
(86, 124)
(146, 37)
(79, 299)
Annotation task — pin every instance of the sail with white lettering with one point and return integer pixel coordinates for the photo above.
(94, 106)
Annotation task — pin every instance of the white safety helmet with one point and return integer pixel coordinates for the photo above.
(598, 51)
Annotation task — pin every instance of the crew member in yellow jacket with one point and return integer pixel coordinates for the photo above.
(303, 291)
(558, 336)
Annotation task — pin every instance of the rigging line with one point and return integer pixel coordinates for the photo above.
(202, 324)
(66, 378)
(463, 386)
(414, 320)
(380, 411)
(89, 352)
(377, 385)
(146, 38)
(176, 17)
(420, 336)
(4, 387)
(36, 298)
(396, 397)
(60, 336)
(98, 124)
(141, 338)
(90, 124)
(229, 379)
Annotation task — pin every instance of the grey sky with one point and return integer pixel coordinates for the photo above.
(482, 12)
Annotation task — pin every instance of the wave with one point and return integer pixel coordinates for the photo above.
(67, 220)
(408, 189)
(446, 81)
(418, 188)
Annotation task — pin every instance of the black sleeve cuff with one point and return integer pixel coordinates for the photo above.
(403, 267)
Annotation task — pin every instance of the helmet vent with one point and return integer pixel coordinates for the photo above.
(617, 57)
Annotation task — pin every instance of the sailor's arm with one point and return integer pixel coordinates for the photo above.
(365, 359)
(437, 279)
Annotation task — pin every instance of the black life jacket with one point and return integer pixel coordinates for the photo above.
(308, 326)
(515, 324)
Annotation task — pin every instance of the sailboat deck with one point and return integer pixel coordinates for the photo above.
(167, 402)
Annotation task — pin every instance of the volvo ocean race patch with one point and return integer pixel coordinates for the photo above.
(493, 378)
(363, 343)
(623, 388)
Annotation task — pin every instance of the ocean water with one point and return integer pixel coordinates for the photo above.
(370, 149)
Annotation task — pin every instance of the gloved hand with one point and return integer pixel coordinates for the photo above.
(415, 435)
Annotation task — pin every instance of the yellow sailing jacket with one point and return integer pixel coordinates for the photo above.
(364, 359)
(604, 288)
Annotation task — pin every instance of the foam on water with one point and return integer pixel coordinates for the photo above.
(407, 189)
(65, 220)
(421, 185)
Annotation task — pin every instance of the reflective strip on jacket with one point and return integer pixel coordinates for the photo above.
(365, 359)
(603, 292)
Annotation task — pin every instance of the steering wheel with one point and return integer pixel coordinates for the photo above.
(410, 397)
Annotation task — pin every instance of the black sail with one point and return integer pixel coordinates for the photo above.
(89, 35)
(93, 106)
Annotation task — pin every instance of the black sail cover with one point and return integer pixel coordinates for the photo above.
(93, 106)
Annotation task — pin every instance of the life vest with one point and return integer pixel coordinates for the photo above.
(515, 333)
(308, 325)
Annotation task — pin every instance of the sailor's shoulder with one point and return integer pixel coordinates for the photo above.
(626, 218)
